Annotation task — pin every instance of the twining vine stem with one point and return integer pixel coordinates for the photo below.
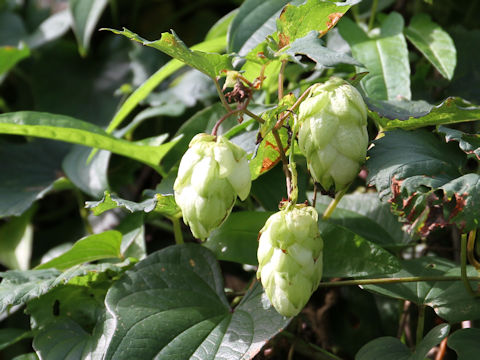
(361, 282)
(420, 324)
(463, 265)
(221, 95)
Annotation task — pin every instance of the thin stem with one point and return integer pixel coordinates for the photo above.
(287, 113)
(442, 349)
(372, 14)
(463, 264)
(292, 166)
(223, 118)
(253, 116)
(362, 282)
(420, 324)
(403, 318)
(177, 230)
(283, 157)
(471, 249)
(291, 352)
(281, 79)
(315, 189)
(221, 95)
(83, 211)
(331, 207)
(311, 350)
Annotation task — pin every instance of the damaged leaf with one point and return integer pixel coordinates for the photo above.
(267, 154)
(313, 15)
(420, 177)
(468, 143)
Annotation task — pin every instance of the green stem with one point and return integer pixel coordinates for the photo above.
(372, 15)
(287, 113)
(362, 282)
(292, 167)
(463, 264)
(420, 323)
(331, 207)
(472, 237)
(177, 230)
(283, 157)
(281, 80)
(221, 95)
(311, 350)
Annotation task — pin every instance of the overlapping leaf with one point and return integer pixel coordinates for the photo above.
(405, 114)
(469, 143)
(163, 204)
(315, 15)
(385, 57)
(450, 300)
(419, 175)
(177, 294)
(465, 343)
(434, 43)
(10, 56)
(210, 64)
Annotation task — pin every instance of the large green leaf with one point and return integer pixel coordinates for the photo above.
(405, 114)
(450, 300)
(385, 57)
(254, 21)
(10, 56)
(393, 349)
(85, 15)
(345, 254)
(465, 343)
(22, 185)
(214, 45)
(210, 64)
(419, 175)
(64, 128)
(105, 245)
(315, 15)
(434, 43)
(177, 294)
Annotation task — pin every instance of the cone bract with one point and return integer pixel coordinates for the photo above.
(212, 172)
(290, 258)
(333, 133)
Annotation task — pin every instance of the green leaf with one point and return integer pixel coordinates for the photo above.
(210, 64)
(365, 215)
(415, 114)
(63, 339)
(85, 15)
(105, 245)
(10, 336)
(315, 15)
(89, 177)
(434, 43)
(385, 57)
(133, 236)
(10, 56)
(64, 128)
(215, 45)
(16, 241)
(465, 343)
(419, 175)
(177, 293)
(311, 46)
(21, 186)
(255, 20)
(346, 254)
(468, 143)
(29, 356)
(450, 300)
(12, 28)
(163, 204)
(19, 287)
(393, 349)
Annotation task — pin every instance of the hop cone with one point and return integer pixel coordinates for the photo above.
(212, 173)
(333, 134)
(290, 258)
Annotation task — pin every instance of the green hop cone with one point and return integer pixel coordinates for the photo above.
(290, 258)
(212, 172)
(333, 133)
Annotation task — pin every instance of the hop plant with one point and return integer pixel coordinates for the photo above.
(212, 172)
(290, 258)
(333, 133)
